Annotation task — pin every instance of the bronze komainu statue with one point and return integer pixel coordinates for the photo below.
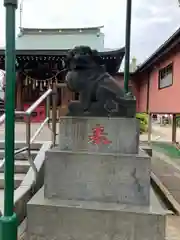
(100, 94)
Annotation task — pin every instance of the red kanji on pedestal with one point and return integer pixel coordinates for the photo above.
(98, 136)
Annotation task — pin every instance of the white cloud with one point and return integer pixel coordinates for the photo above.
(149, 18)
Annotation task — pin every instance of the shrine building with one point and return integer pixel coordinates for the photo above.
(39, 55)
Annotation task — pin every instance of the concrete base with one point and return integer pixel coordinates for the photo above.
(104, 177)
(122, 133)
(64, 220)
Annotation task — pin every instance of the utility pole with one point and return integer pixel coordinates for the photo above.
(127, 45)
(8, 222)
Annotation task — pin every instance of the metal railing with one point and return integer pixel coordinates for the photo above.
(28, 113)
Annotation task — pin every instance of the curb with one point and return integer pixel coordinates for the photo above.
(175, 206)
(22, 230)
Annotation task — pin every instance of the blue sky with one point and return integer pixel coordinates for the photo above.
(152, 21)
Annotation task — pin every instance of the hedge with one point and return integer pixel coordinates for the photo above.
(143, 118)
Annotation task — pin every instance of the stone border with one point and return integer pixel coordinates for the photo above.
(27, 188)
(164, 191)
(22, 230)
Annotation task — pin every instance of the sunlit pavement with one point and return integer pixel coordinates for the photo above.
(161, 133)
(165, 132)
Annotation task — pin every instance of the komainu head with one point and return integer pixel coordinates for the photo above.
(82, 57)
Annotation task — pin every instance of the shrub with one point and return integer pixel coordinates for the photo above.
(143, 118)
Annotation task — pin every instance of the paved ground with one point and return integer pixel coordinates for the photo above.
(161, 133)
(168, 172)
(165, 132)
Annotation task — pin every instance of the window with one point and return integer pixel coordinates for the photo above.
(166, 76)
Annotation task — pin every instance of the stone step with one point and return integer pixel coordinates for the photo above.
(21, 166)
(83, 220)
(20, 156)
(120, 178)
(17, 179)
(21, 144)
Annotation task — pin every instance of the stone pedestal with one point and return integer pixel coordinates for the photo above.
(77, 134)
(116, 178)
(97, 186)
(55, 219)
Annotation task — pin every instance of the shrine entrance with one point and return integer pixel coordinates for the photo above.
(30, 89)
(38, 70)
